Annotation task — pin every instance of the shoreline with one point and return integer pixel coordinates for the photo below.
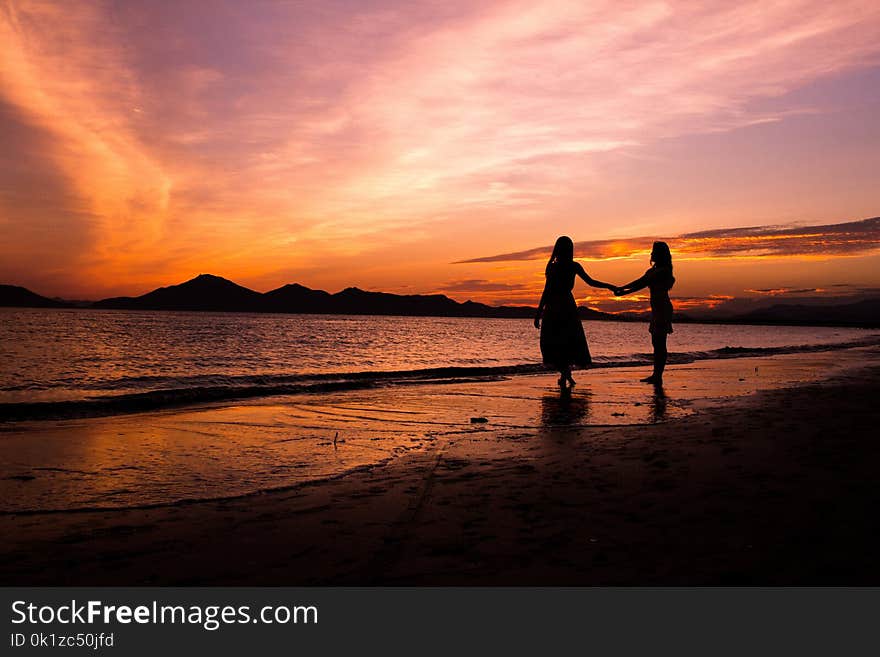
(769, 487)
(229, 450)
(257, 387)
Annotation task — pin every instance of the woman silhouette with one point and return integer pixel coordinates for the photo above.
(563, 342)
(659, 280)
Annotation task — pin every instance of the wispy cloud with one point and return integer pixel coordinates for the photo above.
(65, 71)
(259, 137)
(638, 303)
(852, 238)
(782, 291)
(480, 285)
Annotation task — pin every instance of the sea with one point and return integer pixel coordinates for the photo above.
(118, 409)
(58, 363)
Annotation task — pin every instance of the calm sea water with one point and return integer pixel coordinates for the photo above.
(68, 364)
(82, 355)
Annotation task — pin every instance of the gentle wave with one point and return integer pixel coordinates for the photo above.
(206, 389)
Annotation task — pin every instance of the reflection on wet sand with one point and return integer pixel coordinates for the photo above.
(659, 404)
(565, 409)
(222, 450)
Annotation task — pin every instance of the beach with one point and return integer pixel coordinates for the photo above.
(743, 471)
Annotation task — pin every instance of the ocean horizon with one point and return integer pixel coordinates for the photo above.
(67, 363)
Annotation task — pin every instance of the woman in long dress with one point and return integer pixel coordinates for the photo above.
(563, 343)
(659, 280)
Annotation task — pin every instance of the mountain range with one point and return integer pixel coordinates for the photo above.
(858, 313)
(213, 293)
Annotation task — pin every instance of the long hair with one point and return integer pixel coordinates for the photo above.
(563, 251)
(661, 256)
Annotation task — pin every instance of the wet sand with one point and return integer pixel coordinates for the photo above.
(744, 471)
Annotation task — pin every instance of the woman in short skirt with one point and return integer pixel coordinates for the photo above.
(659, 280)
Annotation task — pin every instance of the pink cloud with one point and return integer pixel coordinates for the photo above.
(261, 137)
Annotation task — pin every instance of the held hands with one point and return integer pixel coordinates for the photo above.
(619, 291)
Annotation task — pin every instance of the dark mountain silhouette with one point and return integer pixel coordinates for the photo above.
(13, 295)
(360, 302)
(204, 292)
(859, 313)
(213, 293)
(208, 292)
(296, 298)
(589, 313)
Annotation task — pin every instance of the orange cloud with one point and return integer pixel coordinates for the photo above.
(64, 70)
(250, 139)
(775, 292)
(852, 238)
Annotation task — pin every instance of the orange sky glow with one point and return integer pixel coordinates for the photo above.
(423, 147)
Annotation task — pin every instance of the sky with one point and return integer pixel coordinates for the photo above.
(441, 147)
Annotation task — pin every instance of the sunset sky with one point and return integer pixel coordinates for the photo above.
(421, 147)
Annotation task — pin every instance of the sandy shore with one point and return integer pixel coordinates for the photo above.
(727, 478)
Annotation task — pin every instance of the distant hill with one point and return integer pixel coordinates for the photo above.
(858, 313)
(204, 292)
(296, 298)
(212, 293)
(207, 292)
(13, 295)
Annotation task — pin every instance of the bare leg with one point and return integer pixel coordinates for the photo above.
(660, 357)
